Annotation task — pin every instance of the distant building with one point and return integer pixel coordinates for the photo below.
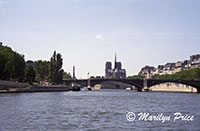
(171, 68)
(147, 71)
(108, 65)
(186, 64)
(195, 58)
(195, 61)
(117, 72)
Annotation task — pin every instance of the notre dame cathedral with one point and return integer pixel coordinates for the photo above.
(117, 72)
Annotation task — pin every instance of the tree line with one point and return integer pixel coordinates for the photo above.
(190, 74)
(139, 76)
(14, 68)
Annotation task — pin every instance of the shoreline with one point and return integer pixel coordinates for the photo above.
(36, 89)
(17, 87)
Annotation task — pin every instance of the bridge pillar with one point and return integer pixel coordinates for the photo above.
(145, 85)
(198, 90)
(88, 85)
(139, 89)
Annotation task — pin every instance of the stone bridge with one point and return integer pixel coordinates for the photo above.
(138, 83)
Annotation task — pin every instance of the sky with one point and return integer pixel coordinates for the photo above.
(88, 33)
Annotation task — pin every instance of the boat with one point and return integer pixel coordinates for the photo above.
(128, 88)
(76, 88)
(89, 88)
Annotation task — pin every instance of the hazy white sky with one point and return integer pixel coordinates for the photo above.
(88, 32)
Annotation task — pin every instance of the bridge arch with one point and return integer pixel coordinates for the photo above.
(173, 87)
(136, 83)
(191, 83)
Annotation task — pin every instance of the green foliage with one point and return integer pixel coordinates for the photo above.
(2, 64)
(136, 76)
(66, 75)
(12, 64)
(186, 74)
(42, 70)
(55, 69)
(13, 67)
(197, 71)
(30, 74)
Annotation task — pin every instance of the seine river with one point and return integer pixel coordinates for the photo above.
(98, 110)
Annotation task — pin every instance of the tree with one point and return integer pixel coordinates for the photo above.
(55, 69)
(136, 76)
(12, 64)
(42, 70)
(2, 65)
(30, 74)
(5, 54)
(16, 67)
(185, 74)
(66, 75)
(198, 73)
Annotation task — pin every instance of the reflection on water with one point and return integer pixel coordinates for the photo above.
(95, 110)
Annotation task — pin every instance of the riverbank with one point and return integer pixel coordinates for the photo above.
(16, 87)
(36, 89)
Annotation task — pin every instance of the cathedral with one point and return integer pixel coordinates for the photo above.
(117, 72)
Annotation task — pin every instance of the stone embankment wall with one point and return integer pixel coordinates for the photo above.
(14, 87)
(10, 84)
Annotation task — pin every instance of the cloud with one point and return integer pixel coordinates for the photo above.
(98, 36)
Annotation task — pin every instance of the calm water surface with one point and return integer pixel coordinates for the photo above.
(96, 110)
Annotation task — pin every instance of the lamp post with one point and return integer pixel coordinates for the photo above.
(88, 82)
(88, 75)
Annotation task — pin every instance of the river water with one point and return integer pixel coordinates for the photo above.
(97, 110)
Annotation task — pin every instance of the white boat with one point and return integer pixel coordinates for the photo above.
(128, 88)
